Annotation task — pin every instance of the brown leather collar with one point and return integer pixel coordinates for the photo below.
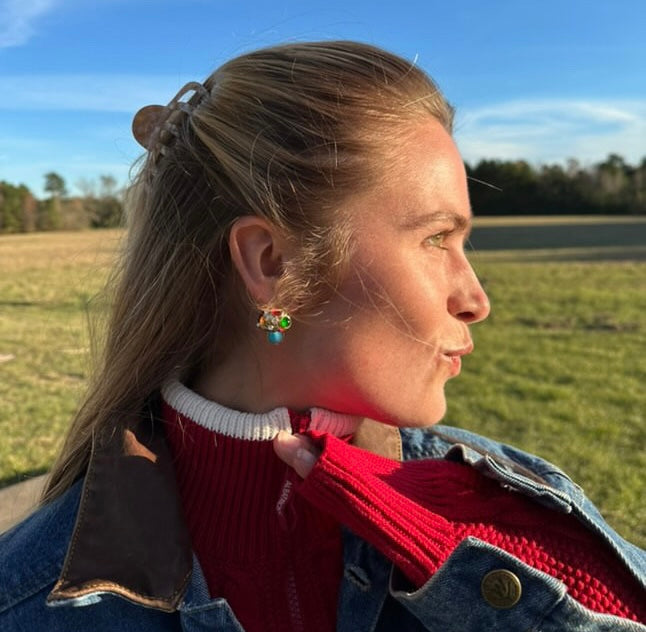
(130, 538)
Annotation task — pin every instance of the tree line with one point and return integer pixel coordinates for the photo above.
(497, 187)
(100, 205)
(517, 188)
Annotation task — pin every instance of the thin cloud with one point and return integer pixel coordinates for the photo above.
(548, 131)
(95, 93)
(17, 18)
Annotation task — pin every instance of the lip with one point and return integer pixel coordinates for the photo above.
(459, 351)
(453, 357)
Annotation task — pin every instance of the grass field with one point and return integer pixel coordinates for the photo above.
(46, 283)
(559, 367)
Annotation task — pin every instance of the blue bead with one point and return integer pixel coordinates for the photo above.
(275, 337)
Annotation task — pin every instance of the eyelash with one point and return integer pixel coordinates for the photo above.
(440, 237)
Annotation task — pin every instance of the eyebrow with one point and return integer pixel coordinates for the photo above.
(413, 222)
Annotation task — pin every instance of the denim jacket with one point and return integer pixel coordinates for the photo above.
(113, 554)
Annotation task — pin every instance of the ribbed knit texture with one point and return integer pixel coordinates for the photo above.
(274, 557)
(417, 512)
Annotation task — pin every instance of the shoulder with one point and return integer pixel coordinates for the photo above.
(523, 472)
(32, 552)
(442, 441)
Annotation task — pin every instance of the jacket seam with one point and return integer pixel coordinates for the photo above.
(536, 476)
(119, 589)
(89, 476)
(26, 595)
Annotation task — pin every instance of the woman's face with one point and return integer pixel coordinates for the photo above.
(385, 345)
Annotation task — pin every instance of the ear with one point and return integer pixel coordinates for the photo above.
(257, 251)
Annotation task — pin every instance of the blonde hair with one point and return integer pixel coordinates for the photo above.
(287, 133)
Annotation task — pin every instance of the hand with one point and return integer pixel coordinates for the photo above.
(297, 451)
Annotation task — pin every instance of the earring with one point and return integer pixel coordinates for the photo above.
(275, 322)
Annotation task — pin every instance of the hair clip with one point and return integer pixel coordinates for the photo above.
(155, 124)
(275, 322)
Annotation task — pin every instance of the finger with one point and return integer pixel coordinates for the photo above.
(296, 451)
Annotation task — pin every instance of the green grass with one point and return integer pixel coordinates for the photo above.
(559, 366)
(559, 370)
(46, 283)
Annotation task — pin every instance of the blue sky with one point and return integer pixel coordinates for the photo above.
(542, 80)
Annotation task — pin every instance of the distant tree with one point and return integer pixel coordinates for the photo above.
(49, 214)
(87, 187)
(9, 208)
(102, 202)
(503, 187)
(2, 206)
(515, 187)
(55, 185)
(558, 190)
(50, 210)
(74, 214)
(485, 187)
(639, 187)
(108, 211)
(17, 208)
(108, 186)
(614, 179)
(29, 212)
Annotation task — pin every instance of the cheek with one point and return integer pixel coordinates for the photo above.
(415, 304)
(387, 314)
(373, 365)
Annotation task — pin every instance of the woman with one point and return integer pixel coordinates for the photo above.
(295, 269)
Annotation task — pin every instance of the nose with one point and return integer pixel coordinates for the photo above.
(468, 302)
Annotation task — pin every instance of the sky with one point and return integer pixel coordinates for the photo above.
(539, 80)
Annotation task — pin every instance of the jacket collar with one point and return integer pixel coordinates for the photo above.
(130, 538)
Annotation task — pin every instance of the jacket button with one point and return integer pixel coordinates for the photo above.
(501, 589)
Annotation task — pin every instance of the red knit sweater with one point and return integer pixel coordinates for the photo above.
(271, 554)
(417, 512)
(276, 556)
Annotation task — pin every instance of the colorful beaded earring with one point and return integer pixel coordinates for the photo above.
(275, 322)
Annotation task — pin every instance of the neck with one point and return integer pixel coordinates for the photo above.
(261, 546)
(229, 477)
(254, 426)
(257, 377)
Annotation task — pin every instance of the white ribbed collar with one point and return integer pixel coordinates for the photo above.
(251, 426)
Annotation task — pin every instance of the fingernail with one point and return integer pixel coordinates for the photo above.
(305, 456)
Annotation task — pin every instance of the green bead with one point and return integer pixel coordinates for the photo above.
(285, 322)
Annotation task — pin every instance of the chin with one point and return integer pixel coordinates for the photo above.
(425, 422)
(421, 417)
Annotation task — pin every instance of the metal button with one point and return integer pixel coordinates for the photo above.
(501, 589)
